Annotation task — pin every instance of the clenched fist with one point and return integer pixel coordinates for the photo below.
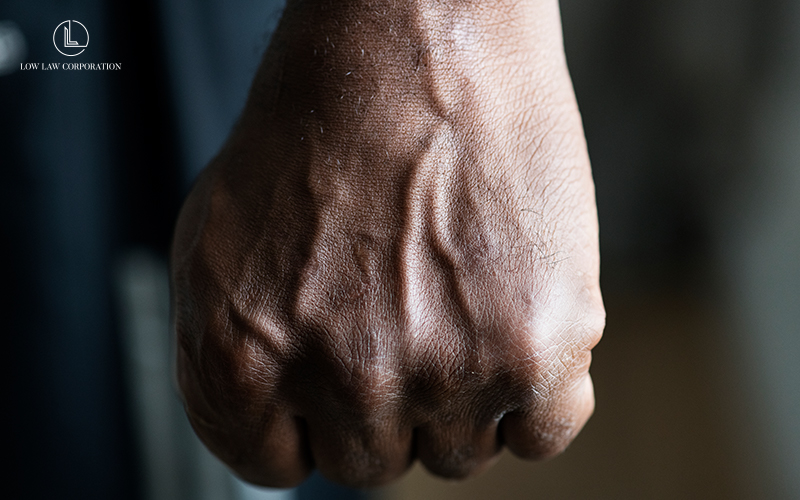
(395, 254)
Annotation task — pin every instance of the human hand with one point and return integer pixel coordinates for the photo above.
(395, 254)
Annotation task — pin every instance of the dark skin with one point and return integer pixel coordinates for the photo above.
(394, 256)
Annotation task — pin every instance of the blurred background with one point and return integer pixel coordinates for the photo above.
(692, 115)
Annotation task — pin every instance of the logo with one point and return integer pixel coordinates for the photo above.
(71, 38)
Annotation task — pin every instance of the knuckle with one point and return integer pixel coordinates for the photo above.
(553, 443)
(458, 447)
(360, 469)
(539, 440)
(458, 463)
(362, 453)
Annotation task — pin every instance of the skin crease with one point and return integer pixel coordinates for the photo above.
(394, 256)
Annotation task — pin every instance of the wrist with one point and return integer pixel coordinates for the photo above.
(326, 51)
